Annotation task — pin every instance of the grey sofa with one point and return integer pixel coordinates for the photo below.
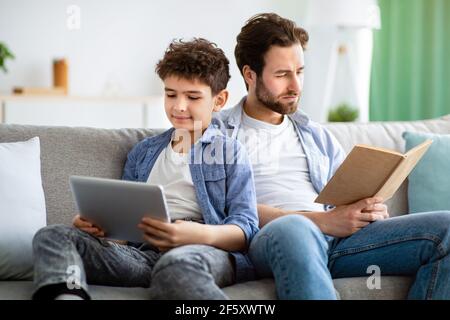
(69, 151)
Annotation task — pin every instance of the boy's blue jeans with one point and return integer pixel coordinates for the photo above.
(296, 253)
(67, 255)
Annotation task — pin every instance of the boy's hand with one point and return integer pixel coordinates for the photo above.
(87, 226)
(166, 236)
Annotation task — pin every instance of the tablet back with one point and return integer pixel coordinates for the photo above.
(117, 206)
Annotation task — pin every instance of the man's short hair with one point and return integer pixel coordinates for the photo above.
(198, 59)
(260, 33)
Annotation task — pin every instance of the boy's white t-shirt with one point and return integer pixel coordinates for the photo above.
(279, 164)
(171, 170)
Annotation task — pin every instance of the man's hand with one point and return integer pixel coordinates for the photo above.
(87, 226)
(166, 236)
(344, 221)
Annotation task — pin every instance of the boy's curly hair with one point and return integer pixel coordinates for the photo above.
(196, 59)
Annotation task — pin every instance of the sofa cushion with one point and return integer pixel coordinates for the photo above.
(428, 182)
(391, 288)
(69, 151)
(22, 206)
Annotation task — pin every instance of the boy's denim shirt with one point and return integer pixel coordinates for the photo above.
(225, 189)
(323, 152)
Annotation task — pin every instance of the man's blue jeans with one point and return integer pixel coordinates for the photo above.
(304, 261)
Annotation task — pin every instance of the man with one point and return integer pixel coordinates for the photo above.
(302, 246)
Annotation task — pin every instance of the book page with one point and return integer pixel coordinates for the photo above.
(380, 149)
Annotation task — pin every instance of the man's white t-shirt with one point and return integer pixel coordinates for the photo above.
(171, 170)
(279, 164)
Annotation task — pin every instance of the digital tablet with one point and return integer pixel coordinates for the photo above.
(117, 206)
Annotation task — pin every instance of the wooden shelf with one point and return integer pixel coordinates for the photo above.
(146, 104)
(28, 97)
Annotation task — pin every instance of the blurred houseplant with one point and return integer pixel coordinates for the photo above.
(343, 113)
(5, 54)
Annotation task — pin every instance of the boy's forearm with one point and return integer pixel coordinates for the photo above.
(227, 237)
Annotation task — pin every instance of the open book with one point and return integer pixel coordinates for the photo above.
(368, 172)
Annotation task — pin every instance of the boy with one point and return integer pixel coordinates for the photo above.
(209, 187)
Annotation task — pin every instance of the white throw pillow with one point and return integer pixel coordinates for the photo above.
(22, 207)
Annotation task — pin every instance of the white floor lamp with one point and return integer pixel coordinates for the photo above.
(353, 21)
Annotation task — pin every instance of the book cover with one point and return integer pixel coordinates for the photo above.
(370, 171)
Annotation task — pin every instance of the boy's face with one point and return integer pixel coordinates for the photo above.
(191, 101)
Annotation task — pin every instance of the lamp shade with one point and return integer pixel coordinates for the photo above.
(344, 13)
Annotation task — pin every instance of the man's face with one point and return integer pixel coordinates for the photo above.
(187, 102)
(280, 85)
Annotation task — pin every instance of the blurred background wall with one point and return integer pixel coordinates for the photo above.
(112, 47)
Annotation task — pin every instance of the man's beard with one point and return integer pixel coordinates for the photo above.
(270, 101)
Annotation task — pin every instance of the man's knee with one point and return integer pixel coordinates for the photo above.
(437, 223)
(440, 217)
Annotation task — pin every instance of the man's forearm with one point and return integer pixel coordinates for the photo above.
(267, 213)
(319, 218)
(341, 221)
